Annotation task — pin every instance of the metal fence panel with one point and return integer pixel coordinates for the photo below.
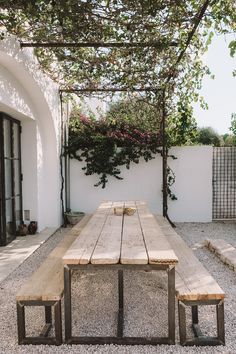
(224, 183)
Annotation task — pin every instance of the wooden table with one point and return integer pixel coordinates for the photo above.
(121, 242)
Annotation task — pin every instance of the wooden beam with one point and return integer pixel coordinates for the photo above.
(157, 44)
(196, 22)
(110, 89)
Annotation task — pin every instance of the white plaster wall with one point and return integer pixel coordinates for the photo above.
(193, 186)
(140, 182)
(29, 168)
(31, 97)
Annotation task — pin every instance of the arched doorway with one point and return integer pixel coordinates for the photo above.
(10, 178)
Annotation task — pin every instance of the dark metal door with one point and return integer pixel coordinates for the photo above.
(10, 178)
(224, 183)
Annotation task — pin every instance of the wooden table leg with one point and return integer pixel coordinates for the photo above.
(67, 303)
(121, 304)
(171, 304)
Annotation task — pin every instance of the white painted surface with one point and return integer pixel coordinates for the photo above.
(193, 186)
(31, 97)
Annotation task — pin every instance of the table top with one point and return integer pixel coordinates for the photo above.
(125, 239)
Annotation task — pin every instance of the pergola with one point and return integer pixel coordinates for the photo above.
(116, 35)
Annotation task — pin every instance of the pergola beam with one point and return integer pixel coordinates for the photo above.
(110, 89)
(196, 23)
(157, 44)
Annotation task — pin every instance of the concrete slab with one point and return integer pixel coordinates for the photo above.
(225, 251)
(12, 255)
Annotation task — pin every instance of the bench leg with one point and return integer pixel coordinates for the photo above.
(220, 322)
(48, 314)
(200, 339)
(20, 322)
(67, 304)
(196, 329)
(195, 314)
(58, 323)
(182, 322)
(43, 336)
(48, 321)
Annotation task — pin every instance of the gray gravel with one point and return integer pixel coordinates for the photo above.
(95, 301)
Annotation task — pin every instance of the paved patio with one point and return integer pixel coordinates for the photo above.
(12, 255)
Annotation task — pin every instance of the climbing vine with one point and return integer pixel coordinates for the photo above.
(106, 145)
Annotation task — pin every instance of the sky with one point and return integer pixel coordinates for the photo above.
(220, 93)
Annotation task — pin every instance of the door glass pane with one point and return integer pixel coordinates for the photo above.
(18, 211)
(9, 223)
(10, 185)
(17, 176)
(7, 137)
(16, 140)
(8, 181)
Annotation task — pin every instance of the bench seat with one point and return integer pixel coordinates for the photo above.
(194, 286)
(45, 288)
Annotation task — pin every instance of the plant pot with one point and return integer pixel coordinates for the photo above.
(32, 227)
(22, 230)
(74, 217)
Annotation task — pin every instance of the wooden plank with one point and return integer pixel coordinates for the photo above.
(133, 250)
(193, 281)
(44, 284)
(158, 248)
(82, 248)
(201, 284)
(69, 238)
(107, 250)
(40, 279)
(55, 288)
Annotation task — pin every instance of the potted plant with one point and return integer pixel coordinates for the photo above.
(22, 229)
(73, 217)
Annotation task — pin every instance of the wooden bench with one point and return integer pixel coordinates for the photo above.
(194, 286)
(45, 288)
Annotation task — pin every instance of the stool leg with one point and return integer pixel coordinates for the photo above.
(20, 322)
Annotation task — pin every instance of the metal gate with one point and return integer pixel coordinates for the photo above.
(224, 183)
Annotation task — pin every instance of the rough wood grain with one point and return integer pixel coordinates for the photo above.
(81, 250)
(158, 248)
(108, 247)
(193, 281)
(46, 283)
(133, 250)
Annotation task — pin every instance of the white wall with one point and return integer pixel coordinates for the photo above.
(31, 97)
(193, 186)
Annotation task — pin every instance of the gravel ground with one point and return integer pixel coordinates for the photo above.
(95, 299)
